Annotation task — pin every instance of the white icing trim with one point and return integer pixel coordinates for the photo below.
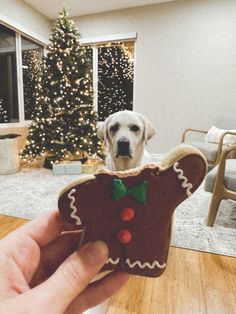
(113, 261)
(72, 206)
(185, 184)
(145, 264)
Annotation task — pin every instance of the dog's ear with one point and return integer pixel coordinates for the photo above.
(103, 129)
(149, 130)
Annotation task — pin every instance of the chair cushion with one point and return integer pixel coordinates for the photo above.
(209, 150)
(230, 176)
(214, 135)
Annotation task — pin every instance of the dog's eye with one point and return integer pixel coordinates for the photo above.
(114, 128)
(134, 128)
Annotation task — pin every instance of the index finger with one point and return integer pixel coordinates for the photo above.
(45, 228)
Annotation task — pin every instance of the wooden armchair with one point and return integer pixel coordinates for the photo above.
(221, 181)
(212, 151)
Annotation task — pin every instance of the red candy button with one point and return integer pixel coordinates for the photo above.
(127, 214)
(124, 236)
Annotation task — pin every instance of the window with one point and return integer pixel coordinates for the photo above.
(8, 74)
(32, 55)
(113, 76)
(20, 58)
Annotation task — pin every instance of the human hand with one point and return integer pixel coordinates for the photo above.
(41, 270)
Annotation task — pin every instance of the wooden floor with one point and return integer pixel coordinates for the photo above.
(193, 283)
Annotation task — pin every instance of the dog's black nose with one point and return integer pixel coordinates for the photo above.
(123, 147)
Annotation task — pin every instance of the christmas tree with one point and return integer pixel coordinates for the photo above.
(67, 123)
(3, 113)
(115, 80)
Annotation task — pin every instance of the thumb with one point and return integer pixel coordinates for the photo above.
(72, 277)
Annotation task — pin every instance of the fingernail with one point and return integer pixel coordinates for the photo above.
(96, 252)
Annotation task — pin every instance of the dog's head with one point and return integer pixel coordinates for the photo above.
(125, 132)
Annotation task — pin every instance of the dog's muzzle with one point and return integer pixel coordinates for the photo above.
(123, 147)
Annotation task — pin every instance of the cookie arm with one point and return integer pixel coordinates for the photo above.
(68, 209)
(68, 201)
(189, 171)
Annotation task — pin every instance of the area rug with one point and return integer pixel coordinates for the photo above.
(32, 191)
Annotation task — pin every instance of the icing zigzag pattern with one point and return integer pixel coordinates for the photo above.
(145, 264)
(72, 206)
(113, 261)
(185, 184)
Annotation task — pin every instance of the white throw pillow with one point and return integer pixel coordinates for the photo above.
(214, 134)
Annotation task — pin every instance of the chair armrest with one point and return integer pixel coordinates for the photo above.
(221, 142)
(222, 162)
(191, 130)
(228, 150)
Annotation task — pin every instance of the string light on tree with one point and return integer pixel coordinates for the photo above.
(67, 93)
(41, 120)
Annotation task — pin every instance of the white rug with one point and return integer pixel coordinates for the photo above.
(32, 191)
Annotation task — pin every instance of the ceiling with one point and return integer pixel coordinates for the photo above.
(84, 7)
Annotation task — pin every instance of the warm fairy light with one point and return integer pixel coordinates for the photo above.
(3, 113)
(115, 75)
(64, 119)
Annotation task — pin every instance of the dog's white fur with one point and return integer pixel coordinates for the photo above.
(138, 154)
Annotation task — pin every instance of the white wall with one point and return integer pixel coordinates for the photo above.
(25, 18)
(185, 62)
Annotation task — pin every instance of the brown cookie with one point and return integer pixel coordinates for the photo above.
(132, 210)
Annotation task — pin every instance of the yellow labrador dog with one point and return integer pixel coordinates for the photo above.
(126, 133)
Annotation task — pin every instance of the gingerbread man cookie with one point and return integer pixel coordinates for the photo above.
(132, 210)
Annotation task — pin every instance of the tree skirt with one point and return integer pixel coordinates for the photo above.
(32, 191)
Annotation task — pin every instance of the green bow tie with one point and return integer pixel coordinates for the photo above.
(138, 192)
